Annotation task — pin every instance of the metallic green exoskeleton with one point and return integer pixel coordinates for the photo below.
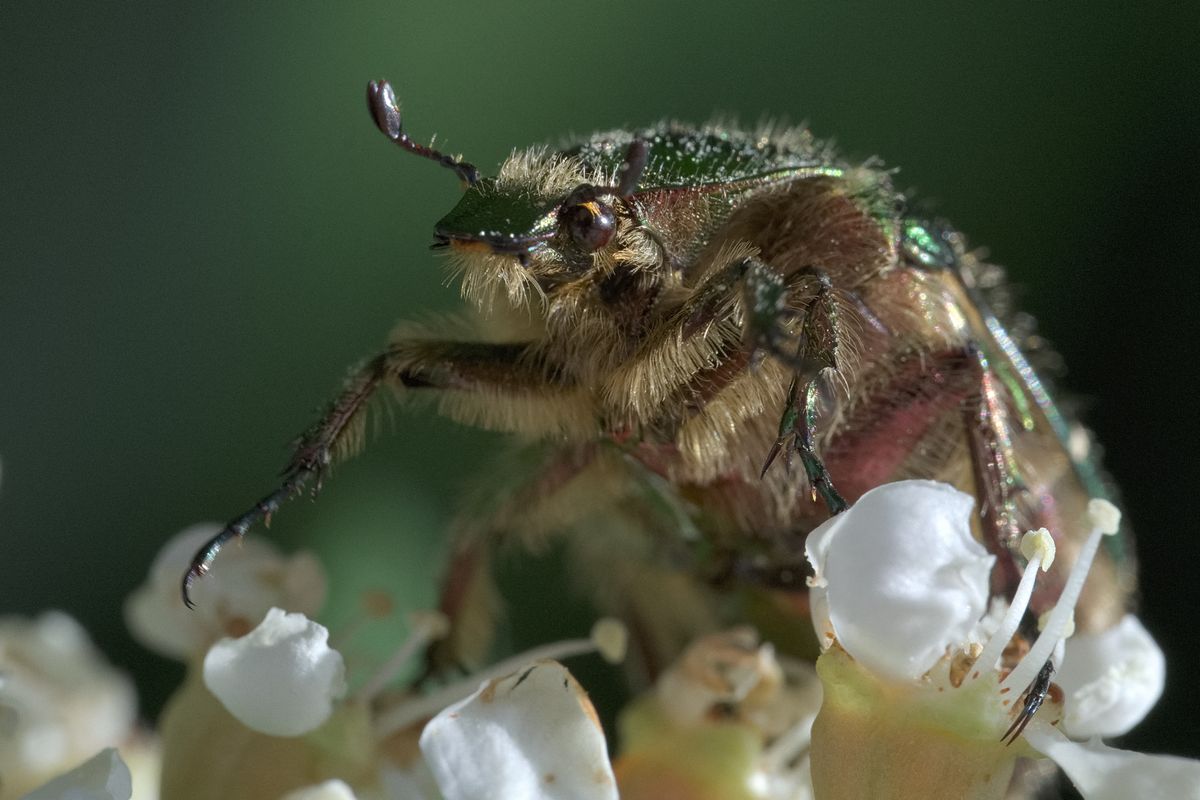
(715, 338)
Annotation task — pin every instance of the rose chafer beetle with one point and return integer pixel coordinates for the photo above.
(709, 340)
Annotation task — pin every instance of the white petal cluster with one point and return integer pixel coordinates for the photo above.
(899, 580)
(247, 580)
(60, 701)
(282, 678)
(532, 734)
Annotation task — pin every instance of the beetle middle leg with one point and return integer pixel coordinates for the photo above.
(816, 359)
(798, 434)
(693, 358)
(501, 376)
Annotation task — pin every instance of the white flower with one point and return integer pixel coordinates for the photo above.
(102, 777)
(531, 734)
(729, 720)
(60, 702)
(899, 695)
(282, 678)
(500, 733)
(900, 548)
(250, 579)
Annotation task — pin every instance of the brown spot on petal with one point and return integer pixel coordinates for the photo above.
(961, 663)
(488, 695)
(549, 777)
(1014, 651)
(522, 677)
(590, 710)
(237, 627)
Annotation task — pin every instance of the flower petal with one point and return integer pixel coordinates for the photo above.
(329, 790)
(1101, 772)
(899, 578)
(532, 734)
(102, 777)
(1111, 679)
(281, 678)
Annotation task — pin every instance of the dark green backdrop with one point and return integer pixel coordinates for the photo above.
(202, 228)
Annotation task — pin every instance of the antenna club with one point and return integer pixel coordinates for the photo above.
(381, 102)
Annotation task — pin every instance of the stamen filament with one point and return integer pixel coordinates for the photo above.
(1105, 518)
(790, 745)
(428, 705)
(425, 627)
(1040, 554)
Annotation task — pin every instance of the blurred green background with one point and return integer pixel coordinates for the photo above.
(202, 229)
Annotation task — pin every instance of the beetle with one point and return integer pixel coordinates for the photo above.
(731, 334)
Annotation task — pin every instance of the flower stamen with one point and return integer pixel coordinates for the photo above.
(1106, 520)
(424, 627)
(1038, 547)
(608, 639)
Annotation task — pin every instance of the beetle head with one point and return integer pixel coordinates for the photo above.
(535, 226)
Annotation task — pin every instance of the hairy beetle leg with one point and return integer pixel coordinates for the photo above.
(492, 370)
(262, 510)
(816, 355)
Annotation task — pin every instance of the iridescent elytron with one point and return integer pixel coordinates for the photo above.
(708, 340)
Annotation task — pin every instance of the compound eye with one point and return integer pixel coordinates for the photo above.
(591, 224)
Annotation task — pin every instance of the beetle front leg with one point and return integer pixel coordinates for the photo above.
(499, 371)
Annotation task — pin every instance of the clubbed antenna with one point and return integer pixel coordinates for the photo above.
(381, 100)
